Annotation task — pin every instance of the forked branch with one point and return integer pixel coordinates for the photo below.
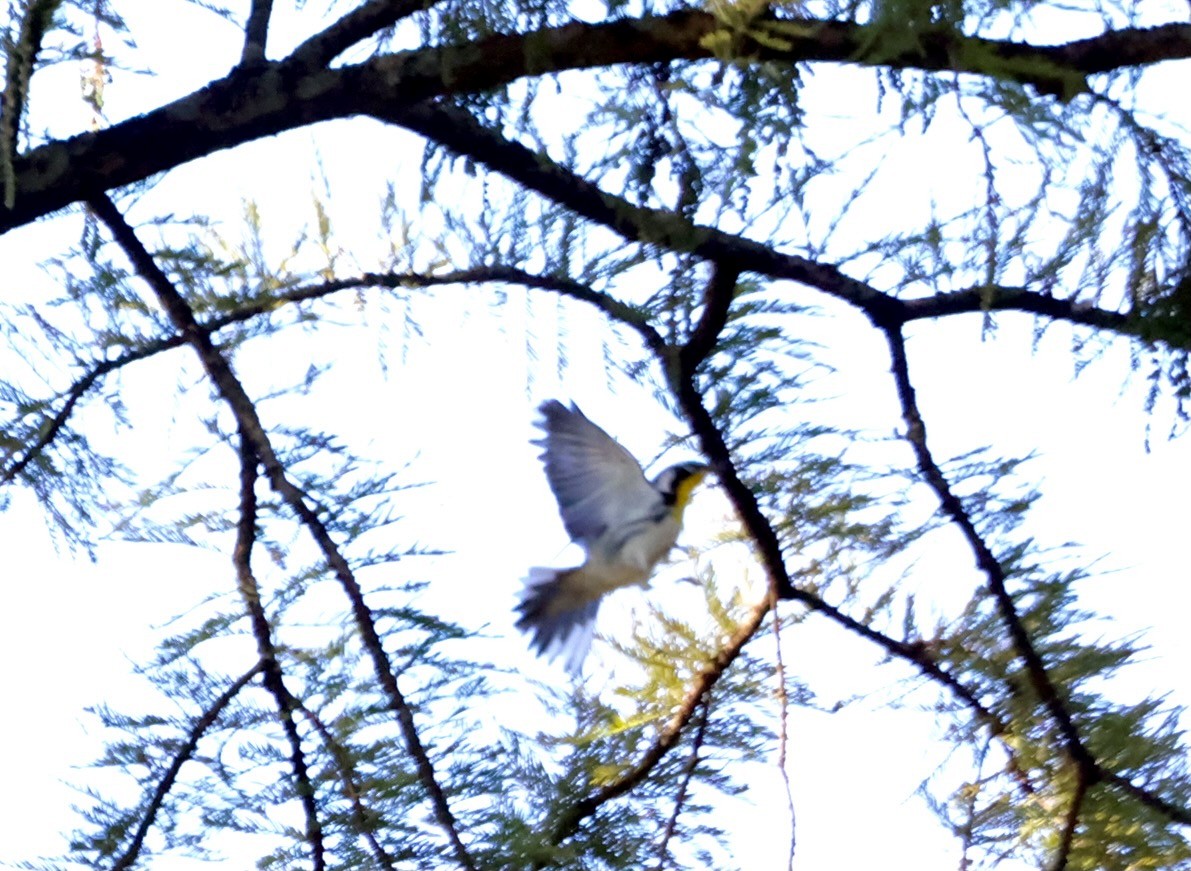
(261, 630)
(994, 573)
(769, 551)
(1090, 771)
(244, 409)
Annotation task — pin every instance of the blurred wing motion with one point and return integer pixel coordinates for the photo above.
(559, 621)
(608, 507)
(595, 480)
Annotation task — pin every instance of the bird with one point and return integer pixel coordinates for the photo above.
(625, 523)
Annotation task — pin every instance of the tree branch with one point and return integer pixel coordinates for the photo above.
(363, 817)
(1176, 813)
(272, 97)
(37, 17)
(261, 631)
(185, 752)
(359, 24)
(568, 823)
(688, 772)
(51, 428)
(233, 393)
(783, 738)
(986, 560)
(1067, 840)
(717, 301)
(256, 33)
(459, 132)
(462, 134)
(609, 305)
(1001, 298)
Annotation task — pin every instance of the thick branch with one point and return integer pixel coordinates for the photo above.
(272, 97)
(459, 132)
(185, 752)
(717, 301)
(242, 406)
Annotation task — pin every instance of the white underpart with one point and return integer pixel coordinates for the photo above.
(613, 564)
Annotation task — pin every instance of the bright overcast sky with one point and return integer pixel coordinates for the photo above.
(77, 629)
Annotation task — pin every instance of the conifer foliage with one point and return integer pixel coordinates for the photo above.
(714, 189)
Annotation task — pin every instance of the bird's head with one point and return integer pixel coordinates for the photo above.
(678, 482)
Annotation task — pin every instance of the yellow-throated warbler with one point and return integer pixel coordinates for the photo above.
(624, 522)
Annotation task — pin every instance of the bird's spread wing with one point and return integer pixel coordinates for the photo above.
(596, 481)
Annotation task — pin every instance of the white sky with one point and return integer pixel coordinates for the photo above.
(71, 631)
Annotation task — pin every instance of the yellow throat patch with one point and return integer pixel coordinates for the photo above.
(682, 493)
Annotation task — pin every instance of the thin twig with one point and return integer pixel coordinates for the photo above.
(53, 427)
(1071, 823)
(783, 738)
(229, 386)
(684, 785)
(967, 832)
(364, 818)
(986, 560)
(185, 752)
(273, 679)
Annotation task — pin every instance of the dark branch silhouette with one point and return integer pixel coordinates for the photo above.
(1071, 823)
(261, 630)
(668, 736)
(684, 785)
(364, 819)
(364, 21)
(270, 303)
(242, 406)
(270, 97)
(994, 573)
(256, 33)
(463, 135)
(185, 752)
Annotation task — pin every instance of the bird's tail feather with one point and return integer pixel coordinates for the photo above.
(558, 621)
